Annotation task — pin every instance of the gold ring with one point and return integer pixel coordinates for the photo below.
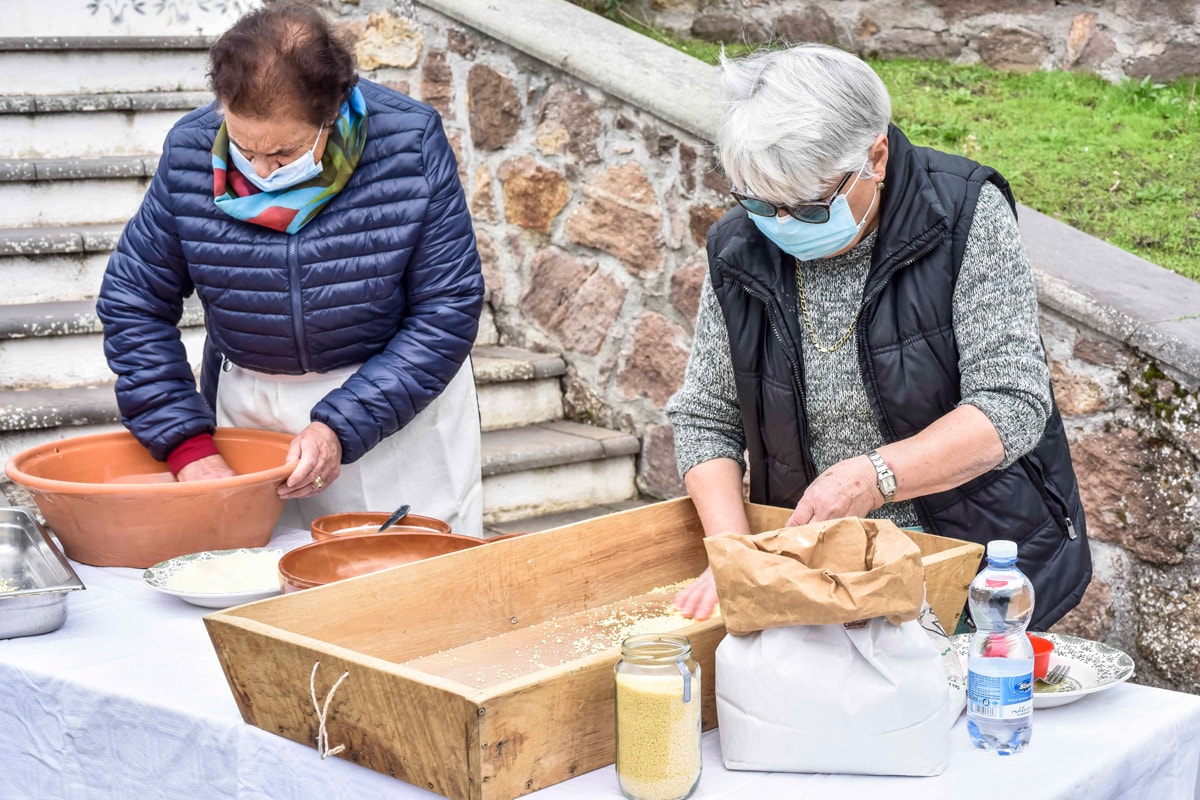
(319, 483)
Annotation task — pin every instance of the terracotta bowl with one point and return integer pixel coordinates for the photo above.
(341, 557)
(112, 505)
(357, 523)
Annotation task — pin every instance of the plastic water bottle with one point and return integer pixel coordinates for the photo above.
(1000, 660)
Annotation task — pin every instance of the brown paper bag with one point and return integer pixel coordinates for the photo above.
(824, 573)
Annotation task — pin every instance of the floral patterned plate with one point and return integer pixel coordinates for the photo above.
(1095, 666)
(262, 584)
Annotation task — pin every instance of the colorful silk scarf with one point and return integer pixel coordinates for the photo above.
(291, 209)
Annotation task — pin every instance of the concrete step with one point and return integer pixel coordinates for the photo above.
(49, 192)
(516, 388)
(60, 345)
(71, 126)
(555, 467)
(547, 522)
(42, 265)
(100, 64)
(549, 474)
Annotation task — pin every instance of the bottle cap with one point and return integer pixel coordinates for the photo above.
(1002, 549)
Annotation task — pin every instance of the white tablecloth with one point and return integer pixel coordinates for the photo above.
(128, 700)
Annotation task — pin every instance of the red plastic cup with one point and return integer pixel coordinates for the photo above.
(1042, 648)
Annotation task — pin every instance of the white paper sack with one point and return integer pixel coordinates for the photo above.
(868, 698)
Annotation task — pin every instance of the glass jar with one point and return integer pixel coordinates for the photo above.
(658, 718)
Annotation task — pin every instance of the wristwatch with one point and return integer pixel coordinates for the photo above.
(887, 478)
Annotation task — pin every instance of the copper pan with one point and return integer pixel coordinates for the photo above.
(341, 557)
(358, 523)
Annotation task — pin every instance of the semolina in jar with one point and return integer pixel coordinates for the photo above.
(658, 718)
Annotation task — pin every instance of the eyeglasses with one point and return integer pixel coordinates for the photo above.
(813, 212)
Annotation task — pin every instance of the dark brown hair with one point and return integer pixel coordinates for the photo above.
(284, 58)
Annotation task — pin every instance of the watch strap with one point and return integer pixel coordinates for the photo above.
(886, 479)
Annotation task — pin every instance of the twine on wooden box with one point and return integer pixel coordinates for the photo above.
(323, 713)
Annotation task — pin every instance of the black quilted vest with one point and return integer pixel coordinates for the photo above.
(909, 360)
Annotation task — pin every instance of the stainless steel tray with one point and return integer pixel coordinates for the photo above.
(35, 577)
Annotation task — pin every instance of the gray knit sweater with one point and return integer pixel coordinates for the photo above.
(1001, 360)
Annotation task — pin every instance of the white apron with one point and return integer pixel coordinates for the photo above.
(433, 463)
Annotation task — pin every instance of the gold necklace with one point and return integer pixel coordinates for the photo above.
(812, 331)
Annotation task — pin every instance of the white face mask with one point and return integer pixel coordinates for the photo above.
(807, 241)
(304, 168)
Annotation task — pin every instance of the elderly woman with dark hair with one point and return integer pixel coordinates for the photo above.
(868, 333)
(321, 222)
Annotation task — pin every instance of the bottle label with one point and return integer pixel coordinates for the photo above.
(1000, 696)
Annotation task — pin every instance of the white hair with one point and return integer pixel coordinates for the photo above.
(797, 119)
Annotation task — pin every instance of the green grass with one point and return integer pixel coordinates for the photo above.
(1116, 161)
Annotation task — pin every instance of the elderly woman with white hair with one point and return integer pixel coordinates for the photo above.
(867, 343)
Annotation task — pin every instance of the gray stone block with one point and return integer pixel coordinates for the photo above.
(1115, 292)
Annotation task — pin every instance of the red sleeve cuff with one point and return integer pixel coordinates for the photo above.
(193, 449)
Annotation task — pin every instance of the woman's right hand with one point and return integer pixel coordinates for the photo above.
(699, 599)
(205, 469)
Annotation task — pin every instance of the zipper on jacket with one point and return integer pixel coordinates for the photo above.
(918, 503)
(226, 364)
(1051, 493)
(804, 444)
(1063, 509)
(297, 306)
(860, 334)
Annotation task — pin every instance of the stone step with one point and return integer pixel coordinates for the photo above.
(547, 522)
(71, 126)
(42, 265)
(101, 64)
(555, 467)
(49, 192)
(59, 344)
(64, 263)
(516, 388)
(528, 474)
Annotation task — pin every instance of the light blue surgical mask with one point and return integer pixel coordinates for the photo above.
(304, 168)
(808, 241)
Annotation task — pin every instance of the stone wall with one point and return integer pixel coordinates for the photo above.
(1135, 439)
(583, 150)
(1114, 38)
(590, 214)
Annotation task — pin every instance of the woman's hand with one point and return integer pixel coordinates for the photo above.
(847, 489)
(698, 600)
(319, 454)
(205, 469)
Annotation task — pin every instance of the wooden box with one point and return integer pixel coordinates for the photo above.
(487, 674)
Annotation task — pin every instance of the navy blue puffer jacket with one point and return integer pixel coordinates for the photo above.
(387, 275)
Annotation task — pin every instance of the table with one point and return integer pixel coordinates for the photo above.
(128, 700)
